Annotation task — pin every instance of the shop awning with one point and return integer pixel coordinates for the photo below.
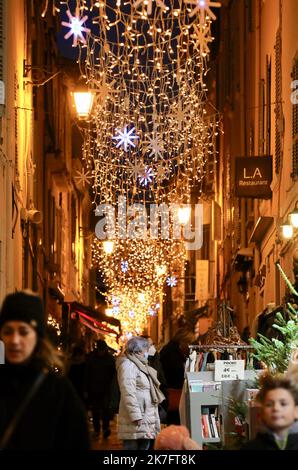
(95, 320)
(260, 229)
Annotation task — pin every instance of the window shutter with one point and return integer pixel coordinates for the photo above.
(295, 125)
(1, 39)
(278, 105)
(261, 117)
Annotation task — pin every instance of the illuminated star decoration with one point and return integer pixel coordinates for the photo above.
(115, 301)
(146, 177)
(171, 281)
(124, 266)
(125, 138)
(155, 146)
(152, 312)
(179, 113)
(203, 7)
(116, 310)
(75, 27)
(202, 37)
(159, 3)
(136, 168)
(82, 177)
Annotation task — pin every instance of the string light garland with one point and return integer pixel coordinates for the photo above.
(149, 137)
(145, 62)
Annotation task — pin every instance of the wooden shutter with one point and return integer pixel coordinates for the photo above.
(278, 104)
(261, 117)
(1, 39)
(295, 125)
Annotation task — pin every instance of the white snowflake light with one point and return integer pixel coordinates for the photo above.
(115, 301)
(75, 27)
(171, 281)
(152, 312)
(124, 266)
(203, 8)
(125, 138)
(146, 177)
(149, 3)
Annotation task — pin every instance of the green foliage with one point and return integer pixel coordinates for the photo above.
(274, 352)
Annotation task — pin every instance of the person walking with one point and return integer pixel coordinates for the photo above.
(100, 371)
(77, 371)
(173, 358)
(39, 409)
(138, 421)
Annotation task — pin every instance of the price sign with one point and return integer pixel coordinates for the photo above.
(229, 370)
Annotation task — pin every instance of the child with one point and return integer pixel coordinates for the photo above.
(279, 411)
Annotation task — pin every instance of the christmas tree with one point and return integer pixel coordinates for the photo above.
(276, 353)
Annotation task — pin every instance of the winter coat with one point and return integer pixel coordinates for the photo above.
(100, 371)
(136, 403)
(265, 440)
(173, 363)
(53, 420)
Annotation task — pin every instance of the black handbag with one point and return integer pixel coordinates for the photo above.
(4, 440)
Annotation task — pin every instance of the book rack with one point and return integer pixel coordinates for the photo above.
(199, 402)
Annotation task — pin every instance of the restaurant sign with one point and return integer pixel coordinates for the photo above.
(253, 177)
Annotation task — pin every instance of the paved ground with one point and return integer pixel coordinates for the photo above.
(111, 443)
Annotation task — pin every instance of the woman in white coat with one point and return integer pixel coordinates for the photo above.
(140, 396)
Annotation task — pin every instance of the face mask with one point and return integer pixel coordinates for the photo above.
(152, 350)
(146, 354)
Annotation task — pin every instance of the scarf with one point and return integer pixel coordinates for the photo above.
(141, 362)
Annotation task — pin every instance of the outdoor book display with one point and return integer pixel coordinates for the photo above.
(205, 406)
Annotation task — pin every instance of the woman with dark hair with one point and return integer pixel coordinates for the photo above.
(140, 396)
(39, 409)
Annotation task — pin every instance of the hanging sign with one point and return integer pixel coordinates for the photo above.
(229, 370)
(253, 177)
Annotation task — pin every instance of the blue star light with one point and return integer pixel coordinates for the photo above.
(115, 301)
(124, 266)
(76, 27)
(125, 138)
(171, 281)
(146, 177)
(152, 312)
(115, 310)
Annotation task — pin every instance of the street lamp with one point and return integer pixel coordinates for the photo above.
(83, 103)
(291, 225)
(287, 230)
(293, 216)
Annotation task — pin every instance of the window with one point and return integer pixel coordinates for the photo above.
(73, 227)
(261, 117)
(268, 110)
(278, 104)
(295, 124)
